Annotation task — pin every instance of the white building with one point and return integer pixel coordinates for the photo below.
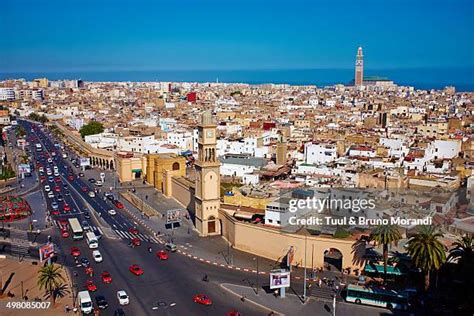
(7, 94)
(319, 153)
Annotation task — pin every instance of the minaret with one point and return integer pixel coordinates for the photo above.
(208, 180)
(359, 68)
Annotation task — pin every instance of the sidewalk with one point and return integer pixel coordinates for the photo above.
(25, 279)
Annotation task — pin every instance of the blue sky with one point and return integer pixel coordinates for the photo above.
(88, 35)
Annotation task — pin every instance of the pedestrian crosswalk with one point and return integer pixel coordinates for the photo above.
(146, 238)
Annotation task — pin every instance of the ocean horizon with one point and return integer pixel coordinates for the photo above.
(421, 78)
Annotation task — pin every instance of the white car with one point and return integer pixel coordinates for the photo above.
(97, 256)
(122, 297)
(49, 172)
(112, 212)
(51, 194)
(91, 194)
(99, 183)
(56, 174)
(47, 188)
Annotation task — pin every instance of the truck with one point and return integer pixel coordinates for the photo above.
(85, 302)
(92, 241)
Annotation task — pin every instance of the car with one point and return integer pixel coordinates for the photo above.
(66, 207)
(119, 312)
(49, 172)
(97, 256)
(85, 225)
(55, 212)
(50, 179)
(87, 215)
(234, 313)
(56, 173)
(70, 177)
(111, 197)
(136, 241)
(60, 198)
(171, 247)
(65, 185)
(112, 212)
(99, 183)
(106, 277)
(57, 179)
(123, 297)
(57, 188)
(84, 189)
(85, 262)
(63, 223)
(81, 174)
(91, 286)
(91, 194)
(43, 179)
(51, 195)
(135, 269)
(91, 180)
(64, 233)
(76, 252)
(163, 255)
(50, 160)
(47, 188)
(41, 169)
(54, 205)
(202, 299)
(133, 230)
(118, 204)
(101, 302)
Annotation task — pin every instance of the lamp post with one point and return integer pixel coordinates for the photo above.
(304, 282)
(256, 291)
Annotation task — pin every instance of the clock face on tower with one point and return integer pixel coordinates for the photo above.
(209, 133)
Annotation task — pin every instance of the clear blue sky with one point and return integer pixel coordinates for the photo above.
(66, 35)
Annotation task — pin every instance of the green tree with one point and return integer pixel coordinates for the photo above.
(386, 235)
(92, 128)
(58, 291)
(427, 251)
(49, 280)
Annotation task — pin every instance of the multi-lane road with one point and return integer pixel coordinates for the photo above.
(163, 283)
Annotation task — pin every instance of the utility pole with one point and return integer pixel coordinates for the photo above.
(256, 291)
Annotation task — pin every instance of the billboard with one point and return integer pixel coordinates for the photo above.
(24, 169)
(279, 279)
(84, 162)
(46, 252)
(173, 216)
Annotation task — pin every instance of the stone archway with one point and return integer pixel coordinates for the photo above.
(333, 259)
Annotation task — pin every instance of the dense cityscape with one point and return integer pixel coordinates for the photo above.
(247, 186)
(238, 158)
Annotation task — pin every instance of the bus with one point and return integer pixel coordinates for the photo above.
(92, 240)
(39, 147)
(77, 231)
(377, 297)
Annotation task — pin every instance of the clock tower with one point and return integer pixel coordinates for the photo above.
(208, 181)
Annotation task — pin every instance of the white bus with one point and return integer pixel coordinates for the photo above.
(39, 147)
(377, 297)
(85, 302)
(76, 229)
(92, 240)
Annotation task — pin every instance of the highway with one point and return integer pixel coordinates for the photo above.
(164, 282)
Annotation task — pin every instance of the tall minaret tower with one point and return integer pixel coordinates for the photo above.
(359, 68)
(208, 181)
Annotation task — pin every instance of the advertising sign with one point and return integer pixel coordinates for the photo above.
(279, 279)
(46, 252)
(24, 169)
(84, 162)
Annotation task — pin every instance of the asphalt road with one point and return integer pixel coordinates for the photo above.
(175, 280)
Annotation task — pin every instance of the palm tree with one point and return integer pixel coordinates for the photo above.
(427, 251)
(49, 279)
(386, 235)
(58, 291)
(462, 252)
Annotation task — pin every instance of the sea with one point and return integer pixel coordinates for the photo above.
(421, 78)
